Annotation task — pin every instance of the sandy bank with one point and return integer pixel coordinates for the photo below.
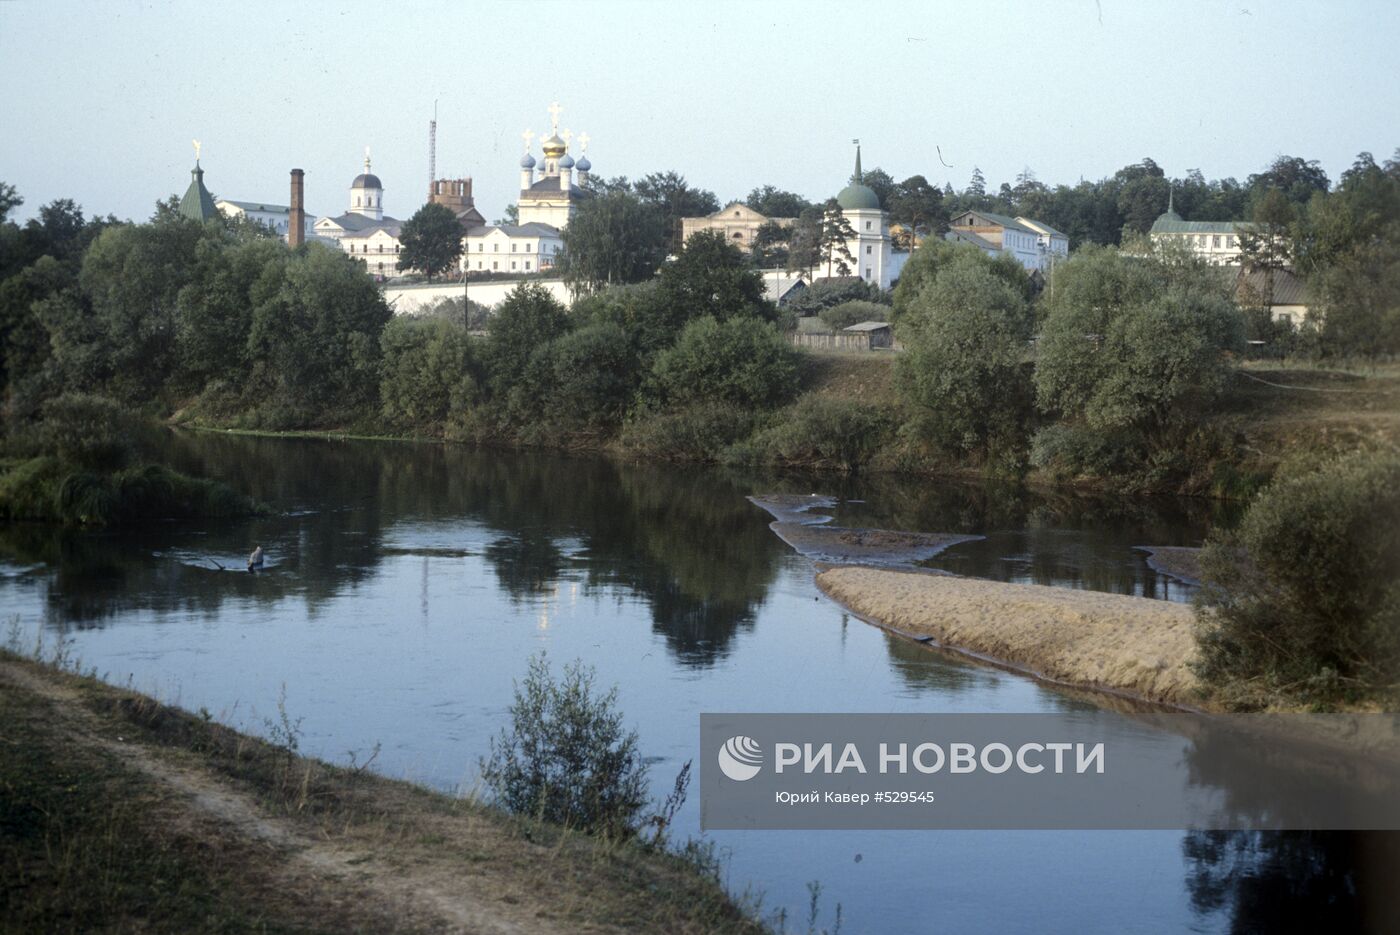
(1086, 638)
(1180, 562)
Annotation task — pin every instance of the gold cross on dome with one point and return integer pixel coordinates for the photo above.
(554, 111)
(527, 136)
(583, 142)
(196, 149)
(567, 136)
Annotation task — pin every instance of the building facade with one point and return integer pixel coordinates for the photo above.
(277, 217)
(1217, 242)
(871, 251)
(1033, 244)
(736, 221)
(365, 231)
(511, 248)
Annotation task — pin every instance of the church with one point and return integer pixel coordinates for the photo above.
(365, 231)
(545, 206)
(869, 252)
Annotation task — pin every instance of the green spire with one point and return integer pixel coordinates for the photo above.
(197, 202)
(858, 178)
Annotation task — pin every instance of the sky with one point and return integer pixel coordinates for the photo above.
(102, 101)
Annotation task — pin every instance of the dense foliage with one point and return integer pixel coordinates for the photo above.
(431, 241)
(566, 757)
(1303, 600)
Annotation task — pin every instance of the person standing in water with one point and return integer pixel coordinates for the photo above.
(255, 561)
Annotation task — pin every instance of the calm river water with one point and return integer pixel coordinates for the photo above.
(408, 585)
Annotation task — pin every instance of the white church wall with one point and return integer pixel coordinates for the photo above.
(407, 299)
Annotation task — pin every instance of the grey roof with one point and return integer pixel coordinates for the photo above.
(532, 229)
(1041, 227)
(366, 180)
(868, 326)
(1288, 288)
(966, 236)
(1165, 225)
(361, 226)
(858, 197)
(1001, 220)
(549, 185)
(257, 206)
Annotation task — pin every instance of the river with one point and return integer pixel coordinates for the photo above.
(408, 585)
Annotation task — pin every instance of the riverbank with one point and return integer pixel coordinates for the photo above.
(122, 813)
(1087, 639)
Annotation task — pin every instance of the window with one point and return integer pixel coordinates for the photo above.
(513, 247)
(868, 249)
(736, 214)
(527, 248)
(381, 248)
(480, 247)
(1230, 241)
(867, 272)
(527, 264)
(1216, 239)
(478, 264)
(738, 235)
(512, 264)
(495, 248)
(495, 265)
(867, 225)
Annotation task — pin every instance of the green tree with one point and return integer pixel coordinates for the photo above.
(965, 369)
(917, 207)
(845, 314)
(9, 200)
(773, 202)
(880, 182)
(1133, 350)
(614, 238)
(429, 372)
(1304, 598)
(804, 250)
(836, 233)
(594, 376)
(675, 200)
(431, 240)
(314, 345)
(772, 244)
(215, 309)
(712, 277)
(741, 362)
(528, 319)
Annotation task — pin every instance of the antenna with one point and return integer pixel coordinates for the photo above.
(432, 151)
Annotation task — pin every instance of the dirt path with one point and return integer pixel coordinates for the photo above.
(422, 895)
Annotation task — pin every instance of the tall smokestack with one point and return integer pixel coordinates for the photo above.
(296, 224)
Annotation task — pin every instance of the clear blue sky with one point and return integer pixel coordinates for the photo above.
(101, 100)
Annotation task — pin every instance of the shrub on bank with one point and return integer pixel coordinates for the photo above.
(47, 490)
(428, 372)
(742, 362)
(697, 433)
(1303, 600)
(566, 757)
(821, 432)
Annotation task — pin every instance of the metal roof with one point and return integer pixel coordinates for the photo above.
(868, 326)
(256, 206)
(1000, 220)
(1041, 227)
(532, 229)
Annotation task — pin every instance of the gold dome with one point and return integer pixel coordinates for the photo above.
(554, 147)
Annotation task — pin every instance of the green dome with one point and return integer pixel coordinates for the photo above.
(857, 197)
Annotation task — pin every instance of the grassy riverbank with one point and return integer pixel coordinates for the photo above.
(123, 814)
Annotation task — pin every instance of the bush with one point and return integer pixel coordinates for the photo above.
(837, 434)
(846, 314)
(566, 758)
(593, 375)
(427, 373)
(529, 318)
(1303, 600)
(743, 361)
(966, 372)
(697, 433)
(45, 489)
(86, 430)
(825, 293)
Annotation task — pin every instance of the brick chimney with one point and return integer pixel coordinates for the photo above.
(296, 224)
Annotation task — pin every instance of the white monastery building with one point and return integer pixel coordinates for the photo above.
(365, 231)
(1035, 244)
(277, 217)
(546, 205)
(1217, 241)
